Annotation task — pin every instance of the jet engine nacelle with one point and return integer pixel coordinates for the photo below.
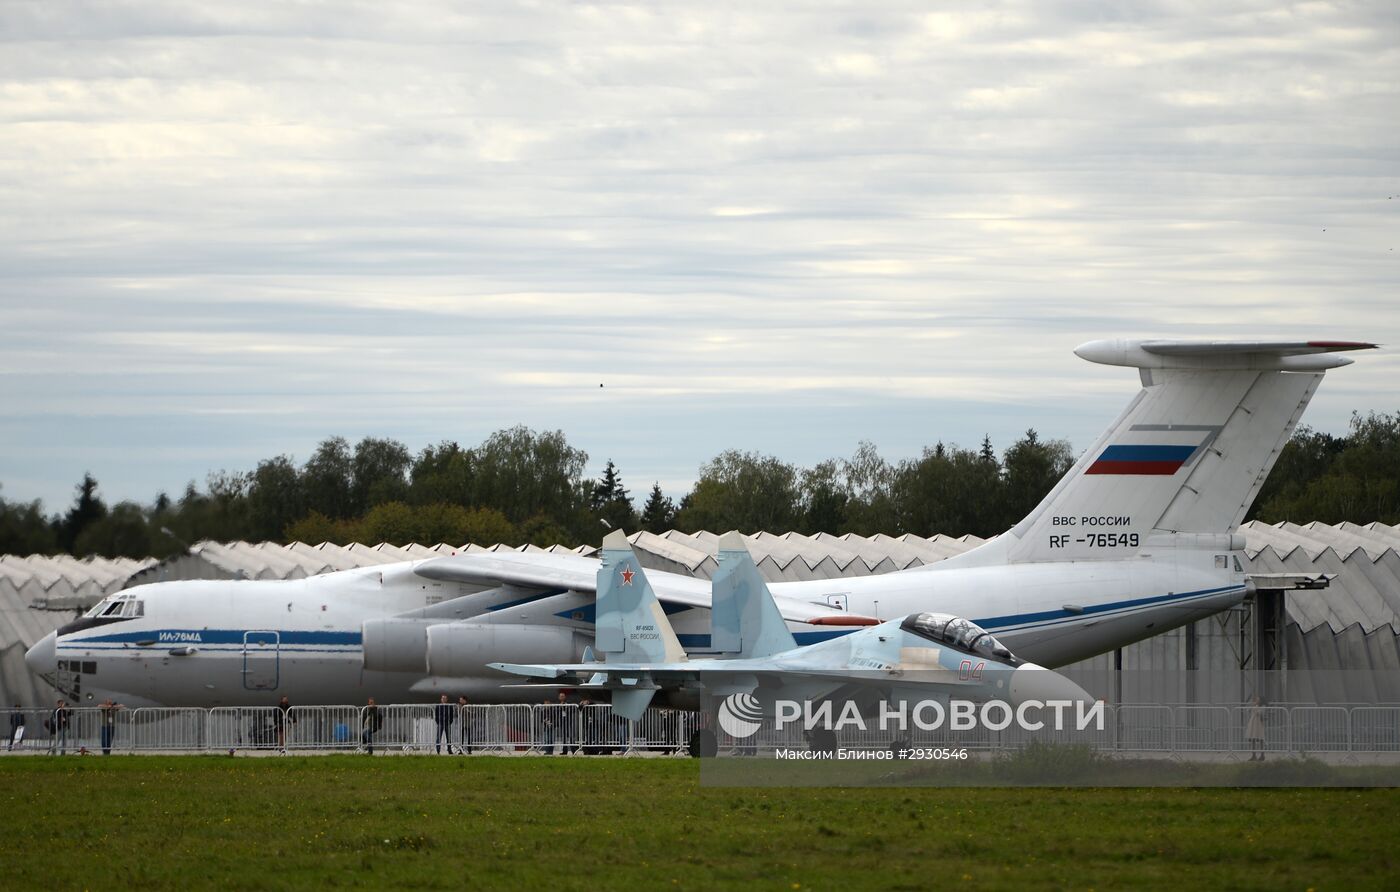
(461, 649)
(396, 645)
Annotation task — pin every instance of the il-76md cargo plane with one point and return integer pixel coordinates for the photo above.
(1137, 538)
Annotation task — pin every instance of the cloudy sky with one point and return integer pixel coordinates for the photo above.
(229, 230)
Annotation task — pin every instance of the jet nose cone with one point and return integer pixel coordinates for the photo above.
(1032, 682)
(42, 658)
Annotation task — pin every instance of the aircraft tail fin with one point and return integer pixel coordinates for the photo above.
(631, 625)
(744, 620)
(1188, 455)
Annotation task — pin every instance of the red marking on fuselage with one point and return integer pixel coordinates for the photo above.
(1150, 468)
(1342, 345)
(846, 620)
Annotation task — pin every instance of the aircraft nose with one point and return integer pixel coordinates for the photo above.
(42, 658)
(1032, 682)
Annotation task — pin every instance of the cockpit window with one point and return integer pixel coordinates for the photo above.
(929, 625)
(990, 647)
(112, 609)
(117, 607)
(959, 633)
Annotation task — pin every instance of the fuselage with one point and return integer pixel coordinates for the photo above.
(920, 657)
(227, 643)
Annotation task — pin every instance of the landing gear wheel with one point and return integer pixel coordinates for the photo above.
(703, 744)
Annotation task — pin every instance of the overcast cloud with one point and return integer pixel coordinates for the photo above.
(231, 230)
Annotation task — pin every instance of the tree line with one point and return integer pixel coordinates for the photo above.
(1332, 479)
(523, 486)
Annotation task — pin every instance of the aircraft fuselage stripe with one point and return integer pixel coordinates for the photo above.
(1001, 622)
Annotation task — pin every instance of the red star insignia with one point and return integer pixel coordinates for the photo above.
(627, 577)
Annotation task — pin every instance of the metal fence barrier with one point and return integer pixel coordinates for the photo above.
(1202, 729)
(573, 729)
(405, 728)
(323, 727)
(1320, 729)
(169, 729)
(242, 727)
(1375, 729)
(1143, 728)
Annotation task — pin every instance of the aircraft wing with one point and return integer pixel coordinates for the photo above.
(550, 572)
(1029, 681)
(599, 674)
(706, 672)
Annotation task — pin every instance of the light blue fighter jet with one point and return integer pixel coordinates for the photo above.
(920, 657)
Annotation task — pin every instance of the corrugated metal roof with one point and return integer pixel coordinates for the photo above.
(1365, 559)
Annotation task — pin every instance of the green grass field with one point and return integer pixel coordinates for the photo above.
(600, 824)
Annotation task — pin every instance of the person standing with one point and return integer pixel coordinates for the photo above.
(280, 717)
(370, 723)
(566, 718)
(443, 714)
(58, 725)
(109, 724)
(1254, 730)
(16, 726)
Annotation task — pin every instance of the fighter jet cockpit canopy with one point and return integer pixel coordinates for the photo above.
(959, 633)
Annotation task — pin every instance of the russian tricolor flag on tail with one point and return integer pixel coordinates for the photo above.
(1154, 460)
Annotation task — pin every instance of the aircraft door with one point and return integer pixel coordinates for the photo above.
(261, 660)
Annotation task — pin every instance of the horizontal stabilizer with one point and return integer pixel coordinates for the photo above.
(1278, 348)
(1300, 356)
(529, 670)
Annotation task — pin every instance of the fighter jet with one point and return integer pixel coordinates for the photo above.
(913, 658)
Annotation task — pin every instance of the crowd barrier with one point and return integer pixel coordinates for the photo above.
(594, 730)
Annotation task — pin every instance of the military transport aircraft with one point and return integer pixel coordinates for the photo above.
(1137, 538)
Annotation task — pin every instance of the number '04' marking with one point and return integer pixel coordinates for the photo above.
(967, 671)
